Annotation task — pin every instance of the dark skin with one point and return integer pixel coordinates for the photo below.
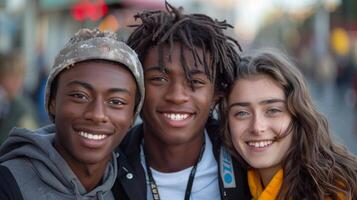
(175, 112)
(93, 109)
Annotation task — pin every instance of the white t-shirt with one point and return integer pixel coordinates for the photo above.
(173, 185)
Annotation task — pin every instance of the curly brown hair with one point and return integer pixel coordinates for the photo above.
(315, 167)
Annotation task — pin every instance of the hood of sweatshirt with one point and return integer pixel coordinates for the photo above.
(49, 165)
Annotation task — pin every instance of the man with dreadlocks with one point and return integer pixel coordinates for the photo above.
(176, 153)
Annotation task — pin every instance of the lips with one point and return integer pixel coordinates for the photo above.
(92, 136)
(176, 118)
(260, 143)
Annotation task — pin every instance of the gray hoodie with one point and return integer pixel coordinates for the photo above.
(41, 172)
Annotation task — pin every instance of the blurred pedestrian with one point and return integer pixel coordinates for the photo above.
(16, 109)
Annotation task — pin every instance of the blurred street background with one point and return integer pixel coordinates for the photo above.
(321, 36)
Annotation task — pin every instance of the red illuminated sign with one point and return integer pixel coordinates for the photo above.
(89, 10)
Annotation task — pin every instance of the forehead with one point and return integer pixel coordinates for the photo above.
(256, 88)
(164, 52)
(99, 72)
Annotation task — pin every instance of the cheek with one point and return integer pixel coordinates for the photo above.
(123, 119)
(152, 94)
(67, 110)
(122, 123)
(236, 130)
(281, 126)
(288, 141)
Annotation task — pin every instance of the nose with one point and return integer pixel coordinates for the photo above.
(259, 124)
(178, 92)
(96, 111)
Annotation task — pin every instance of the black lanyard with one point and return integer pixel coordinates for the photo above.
(153, 186)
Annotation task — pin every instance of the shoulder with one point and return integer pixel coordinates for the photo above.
(212, 128)
(21, 171)
(131, 175)
(8, 185)
(233, 177)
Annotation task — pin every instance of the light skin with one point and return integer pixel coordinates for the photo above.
(258, 113)
(12, 83)
(174, 113)
(93, 109)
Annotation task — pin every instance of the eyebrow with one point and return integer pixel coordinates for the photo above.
(267, 101)
(156, 68)
(197, 71)
(166, 70)
(90, 87)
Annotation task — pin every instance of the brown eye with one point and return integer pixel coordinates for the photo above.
(158, 79)
(79, 97)
(197, 82)
(117, 102)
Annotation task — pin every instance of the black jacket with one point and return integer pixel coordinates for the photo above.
(8, 181)
(232, 177)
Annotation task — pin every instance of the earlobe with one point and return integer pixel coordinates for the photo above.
(131, 123)
(52, 107)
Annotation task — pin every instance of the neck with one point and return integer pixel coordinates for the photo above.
(168, 158)
(89, 175)
(266, 174)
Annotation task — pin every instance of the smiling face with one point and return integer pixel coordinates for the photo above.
(257, 115)
(93, 109)
(173, 112)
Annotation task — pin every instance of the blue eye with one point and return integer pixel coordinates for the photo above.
(273, 111)
(241, 114)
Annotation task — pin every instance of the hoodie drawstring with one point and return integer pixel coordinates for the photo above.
(100, 195)
(75, 190)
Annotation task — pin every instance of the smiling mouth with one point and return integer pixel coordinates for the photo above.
(260, 144)
(92, 136)
(177, 116)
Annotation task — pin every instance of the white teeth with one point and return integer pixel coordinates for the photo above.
(176, 117)
(260, 144)
(92, 136)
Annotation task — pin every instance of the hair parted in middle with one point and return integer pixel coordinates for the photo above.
(315, 166)
(165, 27)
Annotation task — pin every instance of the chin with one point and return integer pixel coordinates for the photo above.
(260, 164)
(93, 159)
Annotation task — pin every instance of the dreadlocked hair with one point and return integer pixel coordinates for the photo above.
(161, 27)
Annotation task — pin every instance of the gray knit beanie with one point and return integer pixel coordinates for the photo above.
(95, 44)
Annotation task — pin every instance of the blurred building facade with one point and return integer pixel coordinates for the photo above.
(320, 34)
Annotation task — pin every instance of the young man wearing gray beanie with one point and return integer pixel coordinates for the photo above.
(94, 92)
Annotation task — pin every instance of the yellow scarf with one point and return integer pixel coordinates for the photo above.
(270, 192)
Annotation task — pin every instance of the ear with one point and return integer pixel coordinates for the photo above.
(52, 106)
